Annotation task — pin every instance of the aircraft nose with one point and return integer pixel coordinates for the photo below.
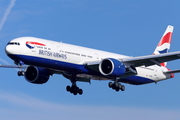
(8, 49)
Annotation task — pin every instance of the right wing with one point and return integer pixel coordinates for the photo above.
(11, 66)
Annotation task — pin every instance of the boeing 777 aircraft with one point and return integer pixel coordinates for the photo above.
(38, 59)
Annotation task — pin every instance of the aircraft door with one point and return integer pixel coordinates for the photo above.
(96, 56)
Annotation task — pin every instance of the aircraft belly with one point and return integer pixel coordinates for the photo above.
(81, 71)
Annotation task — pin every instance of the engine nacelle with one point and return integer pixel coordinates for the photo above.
(111, 67)
(36, 75)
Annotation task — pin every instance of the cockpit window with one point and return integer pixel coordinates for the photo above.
(13, 43)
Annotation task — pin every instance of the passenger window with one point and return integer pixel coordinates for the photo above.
(13, 43)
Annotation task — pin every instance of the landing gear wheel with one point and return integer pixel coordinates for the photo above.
(117, 89)
(116, 86)
(75, 93)
(80, 91)
(74, 90)
(20, 73)
(68, 88)
(110, 84)
(122, 88)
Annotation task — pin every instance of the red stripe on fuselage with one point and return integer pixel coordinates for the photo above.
(35, 43)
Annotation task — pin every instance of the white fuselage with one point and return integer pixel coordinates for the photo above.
(40, 52)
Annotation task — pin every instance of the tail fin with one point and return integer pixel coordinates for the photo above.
(165, 42)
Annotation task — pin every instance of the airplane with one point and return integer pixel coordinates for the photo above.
(38, 59)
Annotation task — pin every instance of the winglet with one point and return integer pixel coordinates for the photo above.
(164, 43)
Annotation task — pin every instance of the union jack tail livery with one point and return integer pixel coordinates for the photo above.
(165, 42)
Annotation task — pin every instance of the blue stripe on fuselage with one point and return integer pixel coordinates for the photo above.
(52, 64)
(74, 68)
(136, 80)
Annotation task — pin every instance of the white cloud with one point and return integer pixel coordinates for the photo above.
(8, 10)
(4, 61)
(21, 106)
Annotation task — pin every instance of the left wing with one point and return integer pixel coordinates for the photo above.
(139, 61)
(151, 59)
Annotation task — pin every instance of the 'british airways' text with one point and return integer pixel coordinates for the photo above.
(52, 54)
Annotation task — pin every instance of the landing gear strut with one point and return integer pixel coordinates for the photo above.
(116, 86)
(19, 64)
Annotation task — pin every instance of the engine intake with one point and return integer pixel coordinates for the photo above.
(112, 67)
(36, 75)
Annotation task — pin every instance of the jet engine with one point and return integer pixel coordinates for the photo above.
(111, 67)
(36, 75)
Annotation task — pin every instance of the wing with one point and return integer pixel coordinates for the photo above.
(11, 66)
(139, 61)
(151, 59)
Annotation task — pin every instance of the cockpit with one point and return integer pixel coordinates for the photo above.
(13, 43)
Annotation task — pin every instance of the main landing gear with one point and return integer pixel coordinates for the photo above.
(116, 86)
(74, 89)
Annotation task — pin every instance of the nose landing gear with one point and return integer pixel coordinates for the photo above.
(19, 64)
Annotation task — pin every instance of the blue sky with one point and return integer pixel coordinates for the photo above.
(122, 26)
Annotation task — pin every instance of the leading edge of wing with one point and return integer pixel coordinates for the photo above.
(151, 59)
(12, 66)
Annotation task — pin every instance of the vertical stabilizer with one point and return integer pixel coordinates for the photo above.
(165, 42)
